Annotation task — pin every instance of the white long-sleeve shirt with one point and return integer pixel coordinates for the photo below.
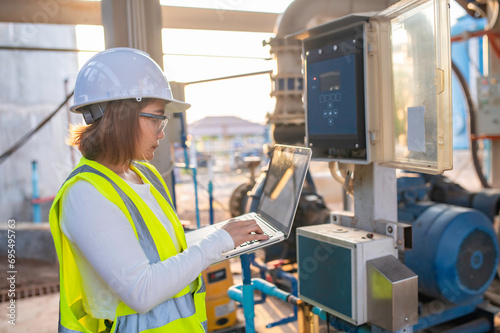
(111, 261)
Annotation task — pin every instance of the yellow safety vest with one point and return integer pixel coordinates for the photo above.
(185, 312)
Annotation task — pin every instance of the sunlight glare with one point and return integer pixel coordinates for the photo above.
(88, 38)
(264, 6)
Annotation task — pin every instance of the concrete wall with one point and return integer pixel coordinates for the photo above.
(32, 241)
(31, 87)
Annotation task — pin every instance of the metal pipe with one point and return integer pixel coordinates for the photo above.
(45, 49)
(244, 295)
(247, 289)
(211, 200)
(235, 293)
(229, 77)
(271, 290)
(196, 197)
(295, 290)
(262, 268)
(288, 116)
(238, 293)
(37, 211)
(172, 193)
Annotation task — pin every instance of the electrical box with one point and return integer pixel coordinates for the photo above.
(332, 263)
(488, 111)
(335, 93)
(378, 87)
(392, 294)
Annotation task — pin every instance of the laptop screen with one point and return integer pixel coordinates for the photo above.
(283, 185)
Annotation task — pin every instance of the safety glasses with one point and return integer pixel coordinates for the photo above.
(159, 121)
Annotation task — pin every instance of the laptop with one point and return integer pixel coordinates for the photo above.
(278, 202)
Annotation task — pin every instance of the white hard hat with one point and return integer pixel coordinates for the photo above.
(120, 73)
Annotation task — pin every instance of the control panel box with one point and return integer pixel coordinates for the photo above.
(332, 262)
(378, 87)
(335, 93)
(488, 111)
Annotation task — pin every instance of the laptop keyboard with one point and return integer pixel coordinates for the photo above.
(268, 230)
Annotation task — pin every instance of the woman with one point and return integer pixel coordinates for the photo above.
(124, 262)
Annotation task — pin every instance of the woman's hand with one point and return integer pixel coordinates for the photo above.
(242, 231)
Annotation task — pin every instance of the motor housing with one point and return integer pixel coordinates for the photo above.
(455, 251)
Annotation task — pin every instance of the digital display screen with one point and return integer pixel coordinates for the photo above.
(331, 96)
(329, 81)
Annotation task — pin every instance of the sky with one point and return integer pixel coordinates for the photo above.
(193, 55)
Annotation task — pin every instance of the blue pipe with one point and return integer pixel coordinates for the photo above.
(237, 293)
(284, 275)
(211, 200)
(172, 192)
(271, 290)
(244, 295)
(247, 289)
(295, 291)
(183, 134)
(262, 268)
(247, 294)
(37, 210)
(281, 275)
(186, 157)
(196, 197)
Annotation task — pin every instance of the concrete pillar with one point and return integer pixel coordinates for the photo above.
(137, 24)
(133, 23)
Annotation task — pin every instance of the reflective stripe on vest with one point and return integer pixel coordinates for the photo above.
(181, 307)
(145, 238)
(159, 316)
(155, 181)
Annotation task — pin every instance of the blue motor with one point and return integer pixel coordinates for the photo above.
(455, 250)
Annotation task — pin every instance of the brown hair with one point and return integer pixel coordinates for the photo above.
(115, 136)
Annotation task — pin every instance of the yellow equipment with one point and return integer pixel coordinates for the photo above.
(221, 310)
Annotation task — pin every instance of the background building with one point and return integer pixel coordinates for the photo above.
(226, 140)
